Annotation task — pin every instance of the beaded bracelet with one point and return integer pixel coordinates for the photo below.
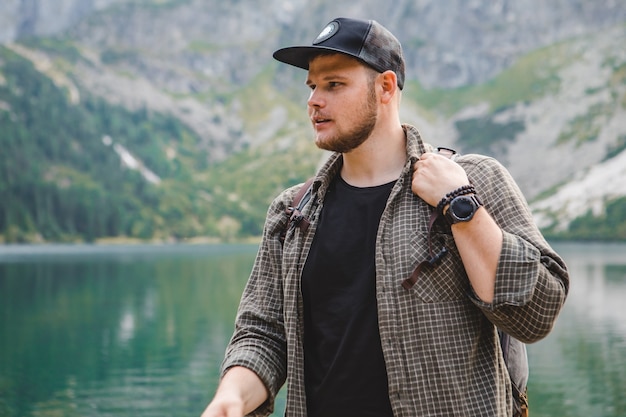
(464, 190)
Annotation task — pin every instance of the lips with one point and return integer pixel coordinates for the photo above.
(318, 119)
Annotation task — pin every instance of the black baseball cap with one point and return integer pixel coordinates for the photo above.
(365, 40)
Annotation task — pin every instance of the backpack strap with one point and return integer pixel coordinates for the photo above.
(447, 152)
(433, 258)
(294, 211)
(516, 359)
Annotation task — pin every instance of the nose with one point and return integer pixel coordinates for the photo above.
(315, 99)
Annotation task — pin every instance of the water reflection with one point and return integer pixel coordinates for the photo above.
(135, 331)
(580, 368)
(140, 331)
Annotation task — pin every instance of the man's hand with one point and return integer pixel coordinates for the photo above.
(479, 241)
(240, 392)
(434, 176)
(222, 406)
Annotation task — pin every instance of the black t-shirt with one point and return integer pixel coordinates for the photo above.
(345, 371)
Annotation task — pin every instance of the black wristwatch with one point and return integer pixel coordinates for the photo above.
(462, 208)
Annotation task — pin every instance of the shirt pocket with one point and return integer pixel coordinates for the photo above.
(445, 280)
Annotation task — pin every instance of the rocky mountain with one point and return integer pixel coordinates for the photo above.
(541, 86)
(449, 43)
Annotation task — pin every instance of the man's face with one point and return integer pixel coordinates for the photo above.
(343, 105)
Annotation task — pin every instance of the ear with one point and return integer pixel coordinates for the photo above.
(389, 84)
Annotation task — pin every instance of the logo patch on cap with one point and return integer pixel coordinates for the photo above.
(328, 32)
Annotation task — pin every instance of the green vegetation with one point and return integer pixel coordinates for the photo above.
(619, 147)
(203, 46)
(63, 180)
(60, 182)
(58, 46)
(585, 128)
(610, 226)
(62, 177)
(481, 134)
(113, 56)
(531, 77)
(152, 4)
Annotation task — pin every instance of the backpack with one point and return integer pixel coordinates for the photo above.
(513, 350)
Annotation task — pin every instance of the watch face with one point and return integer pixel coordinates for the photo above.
(462, 207)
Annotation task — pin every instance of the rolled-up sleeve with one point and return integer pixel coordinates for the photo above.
(531, 279)
(258, 342)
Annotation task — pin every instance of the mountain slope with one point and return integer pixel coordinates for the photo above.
(596, 196)
(557, 110)
(169, 120)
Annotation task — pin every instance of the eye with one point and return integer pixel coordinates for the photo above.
(334, 84)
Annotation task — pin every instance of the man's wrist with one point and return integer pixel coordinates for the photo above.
(444, 204)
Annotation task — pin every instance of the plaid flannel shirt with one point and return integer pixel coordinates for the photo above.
(439, 340)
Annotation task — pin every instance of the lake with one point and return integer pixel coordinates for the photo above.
(140, 331)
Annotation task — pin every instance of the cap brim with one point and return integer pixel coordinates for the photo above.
(300, 56)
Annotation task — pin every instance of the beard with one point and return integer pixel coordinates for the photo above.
(345, 141)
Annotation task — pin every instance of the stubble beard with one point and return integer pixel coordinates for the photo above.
(344, 142)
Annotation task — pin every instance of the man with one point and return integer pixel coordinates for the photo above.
(349, 310)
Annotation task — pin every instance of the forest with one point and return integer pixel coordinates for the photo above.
(66, 176)
(61, 182)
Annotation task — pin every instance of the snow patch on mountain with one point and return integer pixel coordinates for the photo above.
(589, 190)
